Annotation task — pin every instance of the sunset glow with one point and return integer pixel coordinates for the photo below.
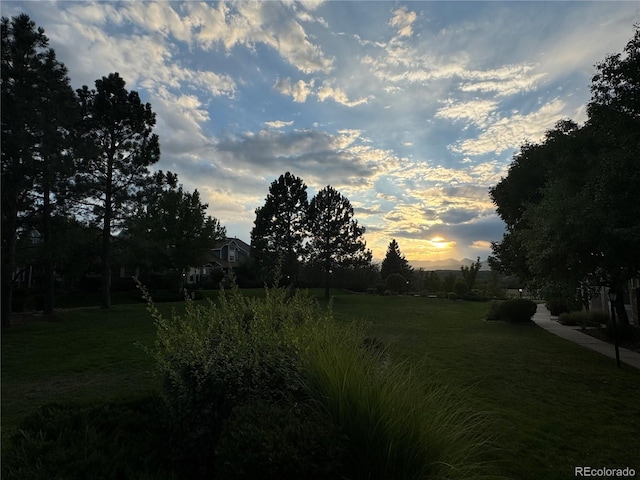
(412, 110)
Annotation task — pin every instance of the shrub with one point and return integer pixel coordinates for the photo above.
(278, 441)
(584, 319)
(217, 356)
(557, 307)
(452, 296)
(518, 310)
(573, 319)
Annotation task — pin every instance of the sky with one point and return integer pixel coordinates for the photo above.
(412, 110)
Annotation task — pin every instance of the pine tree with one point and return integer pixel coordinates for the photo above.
(39, 110)
(170, 228)
(394, 262)
(336, 238)
(118, 146)
(280, 227)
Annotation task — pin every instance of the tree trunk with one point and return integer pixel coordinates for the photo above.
(327, 278)
(105, 274)
(105, 282)
(49, 274)
(8, 261)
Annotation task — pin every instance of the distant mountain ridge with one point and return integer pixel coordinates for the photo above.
(448, 264)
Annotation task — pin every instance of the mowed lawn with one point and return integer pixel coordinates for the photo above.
(553, 406)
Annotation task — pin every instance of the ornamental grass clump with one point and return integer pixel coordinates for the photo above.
(395, 425)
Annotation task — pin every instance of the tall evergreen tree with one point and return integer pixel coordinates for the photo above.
(336, 238)
(394, 262)
(38, 115)
(280, 227)
(118, 146)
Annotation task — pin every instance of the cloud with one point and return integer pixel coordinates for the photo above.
(475, 111)
(326, 91)
(299, 90)
(278, 124)
(402, 20)
(342, 159)
(250, 23)
(510, 132)
(503, 81)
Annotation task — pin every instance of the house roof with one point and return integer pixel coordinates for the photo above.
(221, 243)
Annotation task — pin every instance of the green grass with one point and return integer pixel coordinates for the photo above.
(552, 405)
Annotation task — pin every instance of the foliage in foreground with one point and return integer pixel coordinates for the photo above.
(396, 426)
(113, 440)
(319, 399)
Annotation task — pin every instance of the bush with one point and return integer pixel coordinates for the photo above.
(557, 307)
(278, 441)
(518, 310)
(584, 319)
(217, 356)
(572, 319)
(452, 296)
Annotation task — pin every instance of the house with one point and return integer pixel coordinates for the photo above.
(25, 273)
(225, 255)
(631, 298)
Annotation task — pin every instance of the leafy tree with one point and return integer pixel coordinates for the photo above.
(394, 262)
(38, 114)
(582, 223)
(470, 273)
(170, 228)
(280, 226)
(432, 282)
(522, 187)
(448, 282)
(460, 287)
(118, 146)
(336, 238)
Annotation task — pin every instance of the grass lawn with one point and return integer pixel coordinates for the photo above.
(553, 405)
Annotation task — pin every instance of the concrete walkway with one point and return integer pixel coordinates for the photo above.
(544, 319)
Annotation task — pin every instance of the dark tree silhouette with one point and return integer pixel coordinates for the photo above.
(280, 227)
(394, 262)
(336, 238)
(118, 146)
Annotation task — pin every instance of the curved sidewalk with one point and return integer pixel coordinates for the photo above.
(544, 319)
